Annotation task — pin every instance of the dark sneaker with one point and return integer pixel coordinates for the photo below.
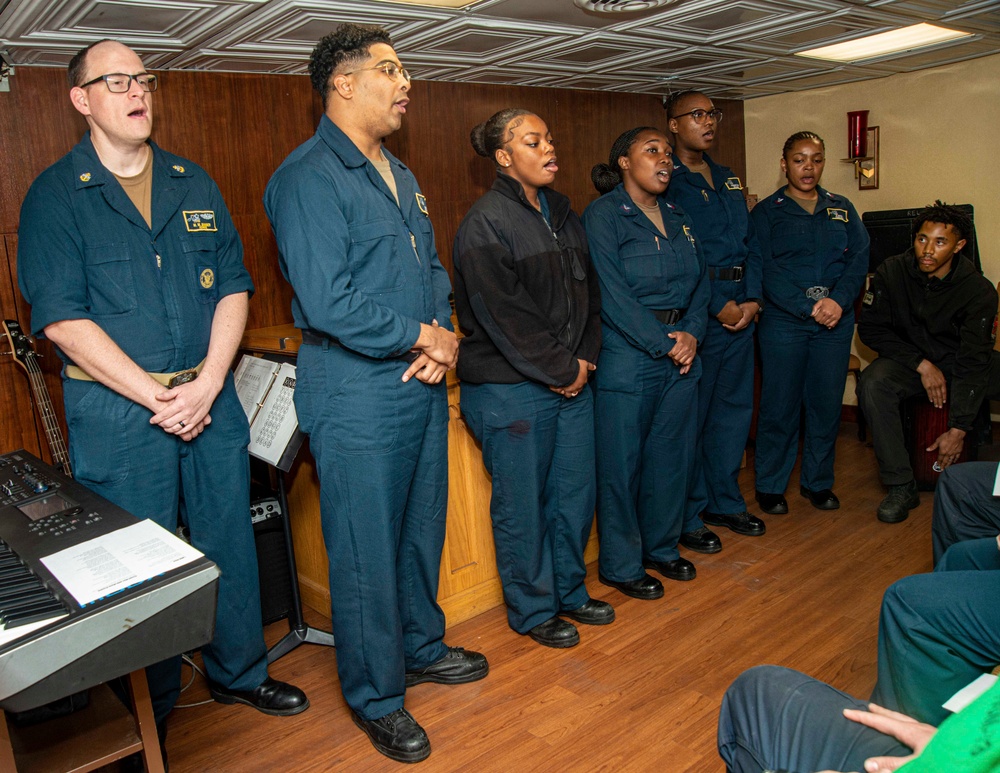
(898, 502)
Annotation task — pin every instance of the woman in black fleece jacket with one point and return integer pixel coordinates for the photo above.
(529, 306)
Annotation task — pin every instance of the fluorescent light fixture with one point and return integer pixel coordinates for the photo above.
(892, 42)
(434, 3)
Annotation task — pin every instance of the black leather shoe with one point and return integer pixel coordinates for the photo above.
(272, 697)
(457, 667)
(396, 735)
(772, 504)
(741, 523)
(821, 500)
(898, 502)
(701, 540)
(678, 569)
(594, 612)
(646, 587)
(555, 633)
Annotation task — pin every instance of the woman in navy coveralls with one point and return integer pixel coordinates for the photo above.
(815, 255)
(654, 308)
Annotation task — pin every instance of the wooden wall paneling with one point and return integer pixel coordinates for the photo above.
(20, 427)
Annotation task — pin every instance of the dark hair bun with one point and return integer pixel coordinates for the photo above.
(604, 178)
(478, 138)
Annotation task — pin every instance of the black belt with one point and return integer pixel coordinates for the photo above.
(817, 292)
(734, 274)
(318, 339)
(669, 316)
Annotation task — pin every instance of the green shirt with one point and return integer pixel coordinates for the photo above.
(966, 742)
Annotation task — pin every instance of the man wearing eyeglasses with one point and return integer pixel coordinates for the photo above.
(371, 299)
(134, 270)
(713, 198)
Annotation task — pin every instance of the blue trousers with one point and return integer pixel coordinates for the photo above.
(118, 454)
(774, 718)
(646, 426)
(725, 409)
(538, 446)
(804, 365)
(939, 631)
(964, 506)
(381, 451)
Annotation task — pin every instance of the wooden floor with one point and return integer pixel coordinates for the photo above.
(639, 695)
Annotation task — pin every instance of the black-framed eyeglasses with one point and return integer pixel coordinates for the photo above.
(391, 69)
(700, 116)
(120, 82)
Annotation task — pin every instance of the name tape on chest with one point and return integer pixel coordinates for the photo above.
(837, 214)
(734, 184)
(199, 220)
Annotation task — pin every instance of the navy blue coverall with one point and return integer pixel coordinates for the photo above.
(645, 410)
(85, 252)
(366, 274)
(728, 244)
(804, 363)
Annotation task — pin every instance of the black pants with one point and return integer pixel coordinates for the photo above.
(885, 384)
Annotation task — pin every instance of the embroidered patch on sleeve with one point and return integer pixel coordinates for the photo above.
(422, 202)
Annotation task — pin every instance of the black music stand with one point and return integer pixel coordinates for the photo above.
(299, 632)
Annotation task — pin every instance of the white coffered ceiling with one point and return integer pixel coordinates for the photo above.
(731, 48)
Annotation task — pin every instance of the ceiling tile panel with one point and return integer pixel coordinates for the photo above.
(731, 48)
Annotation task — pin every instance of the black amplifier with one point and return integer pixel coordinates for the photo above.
(272, 559)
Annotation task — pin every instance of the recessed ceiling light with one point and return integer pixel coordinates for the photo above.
(892, 42)
(434, 3)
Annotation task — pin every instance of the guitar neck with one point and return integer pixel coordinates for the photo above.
(53, 432)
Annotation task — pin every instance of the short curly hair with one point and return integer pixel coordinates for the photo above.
(939, 212)
(349, 44)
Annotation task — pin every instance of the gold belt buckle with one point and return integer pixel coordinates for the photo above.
(182, 377)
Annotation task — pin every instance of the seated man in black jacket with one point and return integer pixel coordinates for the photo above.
(931, 316)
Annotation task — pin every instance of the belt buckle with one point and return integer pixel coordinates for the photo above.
(817, 292)
(738, 272)
(183, 377)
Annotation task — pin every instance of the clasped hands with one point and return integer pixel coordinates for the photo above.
(184, 410)
(438, 353)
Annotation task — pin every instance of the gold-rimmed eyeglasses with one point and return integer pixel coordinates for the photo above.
(391, 69)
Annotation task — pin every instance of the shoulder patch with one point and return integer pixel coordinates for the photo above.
(421, 202)
(869, 299)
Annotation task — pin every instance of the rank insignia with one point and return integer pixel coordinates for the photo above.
(85, 177)
(688, 234)
(422, 202)
(837, 214)
(178, 168)
(734, 184)
(199, 220)
(207, 278)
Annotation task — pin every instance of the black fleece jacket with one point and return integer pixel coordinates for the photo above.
(526, 295)
(908, 316)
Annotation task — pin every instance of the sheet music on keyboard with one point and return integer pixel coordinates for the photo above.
(120, 559)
